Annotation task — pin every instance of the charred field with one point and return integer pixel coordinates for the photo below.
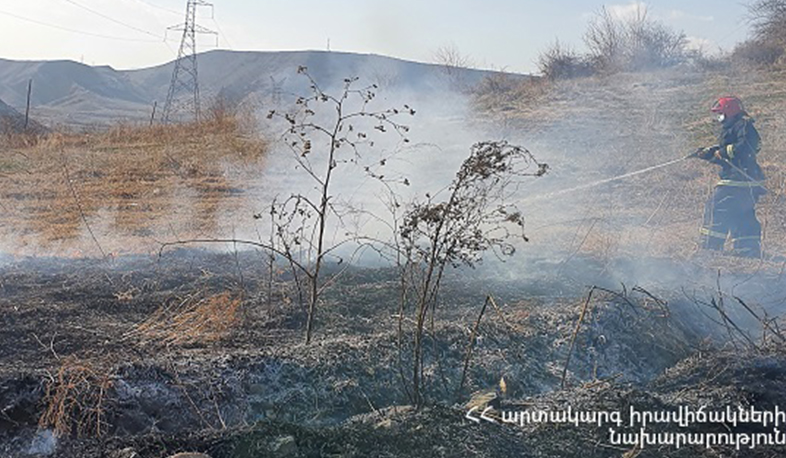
(231, 375)
(86, 359)
(116, 345)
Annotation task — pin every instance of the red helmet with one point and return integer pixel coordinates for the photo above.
(728, 106)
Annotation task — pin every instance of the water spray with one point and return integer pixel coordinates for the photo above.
(608, 180)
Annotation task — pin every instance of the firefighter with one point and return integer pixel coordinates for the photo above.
(731, 210)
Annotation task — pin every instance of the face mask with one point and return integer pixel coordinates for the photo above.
(721, 117)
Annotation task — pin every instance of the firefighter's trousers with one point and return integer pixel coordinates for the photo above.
(731, 212)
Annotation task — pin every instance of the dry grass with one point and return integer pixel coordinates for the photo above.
(500, 94)
(192, 321)
(133, 181)
(76, 399)
(23, 140)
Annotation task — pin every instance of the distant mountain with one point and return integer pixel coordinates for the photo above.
(73, 93)
(244, 72)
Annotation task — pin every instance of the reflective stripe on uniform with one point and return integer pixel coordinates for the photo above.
(741, 184)
(747, 237)
(711, 233)
(730, 151)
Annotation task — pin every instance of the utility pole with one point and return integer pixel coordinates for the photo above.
(27, 109)
(153, 116)
(183, 96)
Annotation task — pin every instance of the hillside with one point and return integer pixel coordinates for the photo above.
(12, 121)
(77, 94)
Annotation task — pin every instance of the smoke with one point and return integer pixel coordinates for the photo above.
(43, 444)
(596, 220)
(608, 212)
(408, 165)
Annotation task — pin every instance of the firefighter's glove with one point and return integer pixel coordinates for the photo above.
(708, 153)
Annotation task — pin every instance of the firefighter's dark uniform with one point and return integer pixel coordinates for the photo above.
(730, 211)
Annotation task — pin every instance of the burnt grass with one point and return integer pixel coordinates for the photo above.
(259, 391)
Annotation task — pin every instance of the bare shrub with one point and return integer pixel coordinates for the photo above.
(617, 44)
(456, 231)
(604, 38)
(324, 148)
(632, 44)
(768, 20)
(449, 57)
(757, 53)
(453, 64)
(559, 62)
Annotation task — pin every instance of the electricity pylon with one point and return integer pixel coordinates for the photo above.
(278, 90)
(183, 95)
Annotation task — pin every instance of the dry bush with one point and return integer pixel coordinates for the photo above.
(76, 399)
(474, 218)
(617, 44)
(451, 59)
(559, 62)
(632, 44)
(496, 94)
(327, 149)
(497, 83)
(768, 19)
(453, 63)
(757, 53)
(192, 321)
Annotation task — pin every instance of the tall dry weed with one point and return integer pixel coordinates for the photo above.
(75, 401)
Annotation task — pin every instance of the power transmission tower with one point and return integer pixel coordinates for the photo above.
(277, 90)
(183, 96)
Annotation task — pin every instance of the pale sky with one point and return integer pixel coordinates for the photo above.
(500, 34)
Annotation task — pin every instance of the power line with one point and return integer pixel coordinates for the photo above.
(170, 48)
(222, 34)
(178, 13)
(82, 32)
(109, 18)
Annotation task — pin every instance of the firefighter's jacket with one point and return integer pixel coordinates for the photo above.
(738, 145)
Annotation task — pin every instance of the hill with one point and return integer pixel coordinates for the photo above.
(76, 94)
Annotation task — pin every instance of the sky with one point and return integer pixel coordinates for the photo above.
(492, 34)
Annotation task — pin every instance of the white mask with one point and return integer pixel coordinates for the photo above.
(721, 117)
